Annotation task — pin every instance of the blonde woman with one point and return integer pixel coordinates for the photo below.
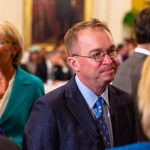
(18, 89)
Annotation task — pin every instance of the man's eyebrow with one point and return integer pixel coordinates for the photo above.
(112, 46)
(96, 49)
(100, 49)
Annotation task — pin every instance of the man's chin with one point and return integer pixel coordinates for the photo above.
(109, 79)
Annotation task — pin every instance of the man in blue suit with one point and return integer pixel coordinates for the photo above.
(65, 119)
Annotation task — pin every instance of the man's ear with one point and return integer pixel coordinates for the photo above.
(73, 63)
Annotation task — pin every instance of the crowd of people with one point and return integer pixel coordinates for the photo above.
(105, 103)
(48, 65)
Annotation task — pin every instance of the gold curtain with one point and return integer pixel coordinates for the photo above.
(140, 4)
(88, 9)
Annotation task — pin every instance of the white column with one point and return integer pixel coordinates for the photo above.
(12, 11)
(112, 12)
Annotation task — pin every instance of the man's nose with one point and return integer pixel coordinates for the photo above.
(107, 59)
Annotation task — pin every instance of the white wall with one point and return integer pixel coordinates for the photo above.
(12, 10)
(110, 11)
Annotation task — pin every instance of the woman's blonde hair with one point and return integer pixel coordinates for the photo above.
(11, 34)
(144, 97)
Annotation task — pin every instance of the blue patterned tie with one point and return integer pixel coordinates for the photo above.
(98, 108)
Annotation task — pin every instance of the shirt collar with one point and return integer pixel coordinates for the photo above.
(142, 50)
(49, 64)
(89, 96)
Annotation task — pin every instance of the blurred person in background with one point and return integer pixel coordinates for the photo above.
(143, 109)
(31, 64)
(61, 48)
(122, 53)
(130, 45)
(42, 54)
(53, 68)
(18, 89)
(129, 73)
(31, 61)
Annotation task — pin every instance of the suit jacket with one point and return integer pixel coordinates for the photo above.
(61, 120)
(129, 73)
(57, 72)
(25, 90)
(136, 146)
(127, 79)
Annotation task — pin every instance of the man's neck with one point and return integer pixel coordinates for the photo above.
(144, 46)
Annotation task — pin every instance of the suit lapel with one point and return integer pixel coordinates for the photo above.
(20, 81)
(80, 110)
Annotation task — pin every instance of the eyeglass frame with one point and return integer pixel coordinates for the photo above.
(102, 54)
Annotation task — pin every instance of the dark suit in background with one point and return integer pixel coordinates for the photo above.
(57, 72)
(129, 73)
(127, 79)
(64, 121)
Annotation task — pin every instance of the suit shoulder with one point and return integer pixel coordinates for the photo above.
(28, 78)
(55, 97)
(35, 80)
(119, 91)
(124, 65)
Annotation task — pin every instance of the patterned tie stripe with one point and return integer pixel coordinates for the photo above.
(98, 108)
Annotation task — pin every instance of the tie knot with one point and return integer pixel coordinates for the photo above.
(99, 107)
(99, 102)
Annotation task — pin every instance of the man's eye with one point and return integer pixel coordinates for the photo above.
(97, 54)
(112, 50)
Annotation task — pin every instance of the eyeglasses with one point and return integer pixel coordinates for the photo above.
(99, 55)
